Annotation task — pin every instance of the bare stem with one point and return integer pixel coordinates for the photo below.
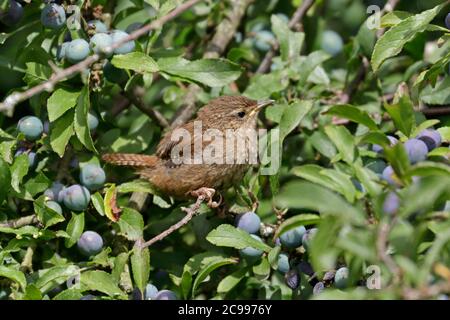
(190, 213)
(20, 222)
(16, 97)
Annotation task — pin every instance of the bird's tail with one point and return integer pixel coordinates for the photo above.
(130, 159)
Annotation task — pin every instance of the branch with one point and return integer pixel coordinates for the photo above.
(381, 244)
(16, 97)
(295, 20)
(222, 36)
(136, 98)
(20, 222)
(190, 213)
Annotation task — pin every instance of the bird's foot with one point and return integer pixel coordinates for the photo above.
(207, 194)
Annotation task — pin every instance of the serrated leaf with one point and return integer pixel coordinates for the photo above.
(136, 61)
(61, 132)
(46, 215)
(5, 178)
(210, 72)
(226, 235)
(81, 120)
(60, 101)
(14, 275)
(74, 229)
(306, 195)
(97, 280)
(206, 270)
(304, 219)
(140, 267)
(131, 224)
(18, 170)
(391, 43)
(231, 281)
(136, 186)
(354, 114)
(343, 140)
(290, 42)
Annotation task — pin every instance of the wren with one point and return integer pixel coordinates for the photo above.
(184, 179)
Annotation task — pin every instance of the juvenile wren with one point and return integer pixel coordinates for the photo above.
(183, 179)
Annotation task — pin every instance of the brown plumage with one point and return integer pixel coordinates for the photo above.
(179, 180)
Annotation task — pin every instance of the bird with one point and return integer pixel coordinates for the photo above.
(173, 169)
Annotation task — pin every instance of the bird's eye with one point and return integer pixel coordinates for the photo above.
(241, 114)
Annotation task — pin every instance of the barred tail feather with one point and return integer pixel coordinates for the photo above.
(130, 159)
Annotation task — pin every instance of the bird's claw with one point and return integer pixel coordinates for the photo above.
(207, 194)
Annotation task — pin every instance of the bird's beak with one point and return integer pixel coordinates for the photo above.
(261, 104)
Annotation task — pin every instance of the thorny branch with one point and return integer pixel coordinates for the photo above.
(190, 213)
(13, 99)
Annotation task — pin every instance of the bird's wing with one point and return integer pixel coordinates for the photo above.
(173, 138)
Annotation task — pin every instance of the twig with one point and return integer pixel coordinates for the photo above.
(27, 262)
(381, 244)
(426, 292)
(296, 19)
(20, 222)
(438, 111)
(222, 36)
(136, 98)
(16, 97)
(190, 213)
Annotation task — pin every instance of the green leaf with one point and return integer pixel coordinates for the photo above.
(136, 61)
(335, 180)
(306, 195)
(97, 280)
(304, 67)
(398, 158)
(290, 42)
(81, 120)
(74, 229)
(14, 275)
(32, 293)
(136, 186)
(5, 178)
(438, 95)
(354, 114)
(131, 224)
(323, 144)
(46, 215)
(343, 140)
(272, 257)
(60, 101)
(206, 270)
(402, 113)
(391, 43)
(263, 85)
(210, 72)
(50, 278)
(304, 219)
(293, 115)
(226, 235)
(231, 281)
(119, 265)
(97, 202)
(61, 132)
(69, 294)
(140, 266)
(18, 170)
(428, 168)
(262, 270)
